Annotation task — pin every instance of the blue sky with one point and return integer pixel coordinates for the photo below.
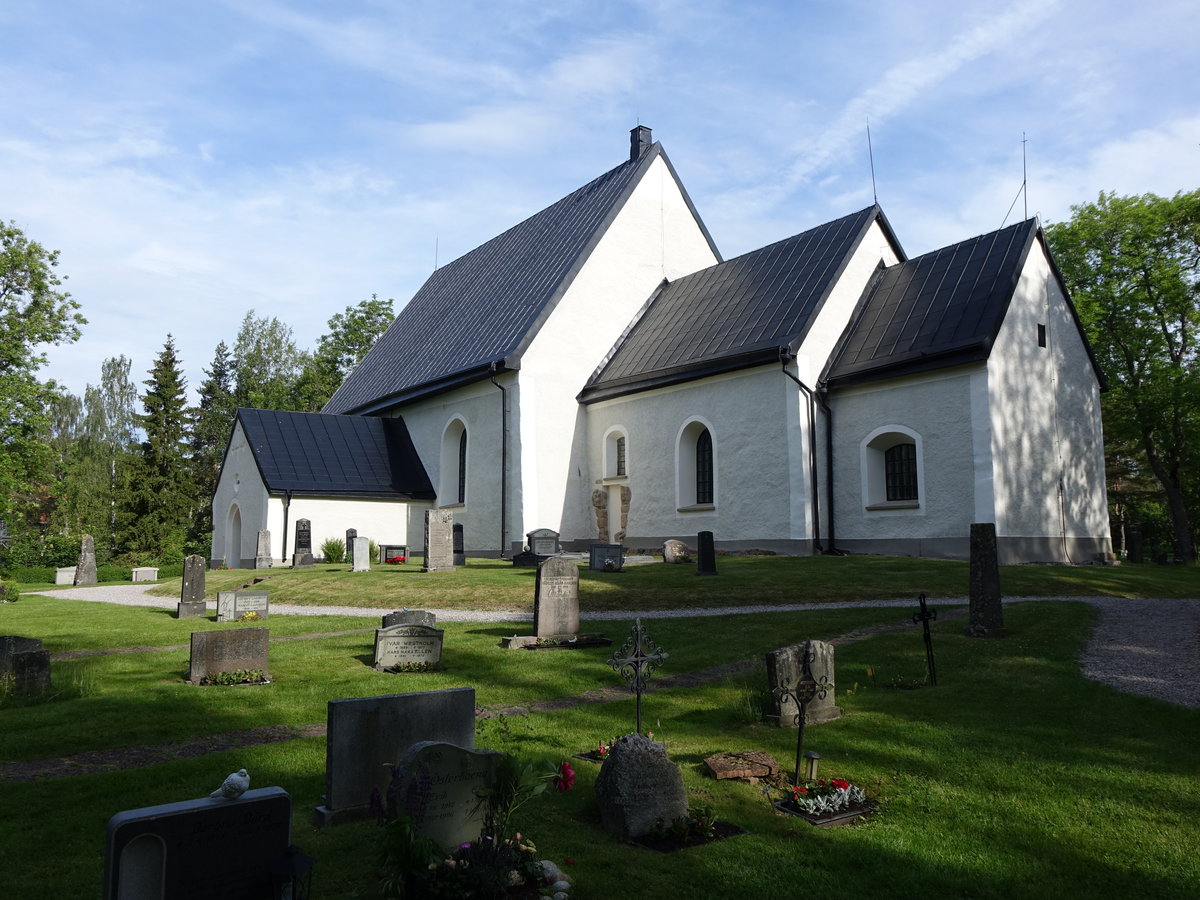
(196, 159)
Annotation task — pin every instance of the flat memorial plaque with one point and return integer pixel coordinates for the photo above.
(408, 645)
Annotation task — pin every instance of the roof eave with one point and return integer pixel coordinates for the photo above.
(679, 374)
(433, 388)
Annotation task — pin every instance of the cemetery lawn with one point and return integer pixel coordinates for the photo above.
(744, 580)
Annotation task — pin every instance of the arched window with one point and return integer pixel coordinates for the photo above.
(620, 448)
(900, 471)
(696, 466)
(891, 469)
(616, 461)
(452, 482)
(704, 467)
(462, 467)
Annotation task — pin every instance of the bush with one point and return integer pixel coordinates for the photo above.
(9, 592)
(333, 550)
(31, 574)
(48, 551)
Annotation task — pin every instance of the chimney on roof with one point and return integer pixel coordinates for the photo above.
(639, 142)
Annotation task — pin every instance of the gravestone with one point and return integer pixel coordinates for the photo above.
(543, 542)
(706, 556)
(397, 646)
(784, 667)
(606, 557)
(638, 788)
(1133, 551)
(232, 605)
(556, 599)
(191, 595)
(198, 848)
(262, 552)
(365, 736)
(360, 555)
(410, 617)
(460, 552)
(24, 665)
(302, 557)
(65, 575)
(85, 568)
(389, 552)
(351, 534)
(434, 784)
(986, 609)
(676, 552)
(214, 652)
(143, 573)
(439, 541)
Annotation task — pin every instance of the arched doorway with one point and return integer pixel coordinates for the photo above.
(233, 539)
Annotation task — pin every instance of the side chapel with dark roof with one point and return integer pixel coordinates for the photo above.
(600, 370)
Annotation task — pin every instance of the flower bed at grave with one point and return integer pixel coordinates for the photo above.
(826, 802)
(238, 676)
(396, 560)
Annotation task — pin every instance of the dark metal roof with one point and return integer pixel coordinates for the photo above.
(734, 314)
(484, 307)
(314, 453)
(941, 309)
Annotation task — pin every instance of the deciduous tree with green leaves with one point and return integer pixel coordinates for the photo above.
(266, 364)
(351, 334)
(212, 420)
(1133, 267)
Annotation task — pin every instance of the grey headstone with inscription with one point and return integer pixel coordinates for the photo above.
(543, 542)
(262, 552)
(302, 557)
(556, 599)
(397, 646)
(410, 617)
(232, 605)
(24, 665)
(986, 607)
(191, 594)
(784, 667)
(435, 785)
(85, 568)
(439, 541)
(228, 651)
(198, 848)
(606, 557)
(360, 555)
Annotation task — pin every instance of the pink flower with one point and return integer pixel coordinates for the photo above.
(565, 779)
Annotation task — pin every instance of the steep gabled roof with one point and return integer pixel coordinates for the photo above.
(941, 309)
(314, 453)
(734, 314)
(482, 309)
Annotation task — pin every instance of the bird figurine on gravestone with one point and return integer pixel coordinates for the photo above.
(233, 786)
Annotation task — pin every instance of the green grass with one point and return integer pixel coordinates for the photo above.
(1014, 777)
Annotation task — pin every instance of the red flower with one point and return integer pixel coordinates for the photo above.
(799, 790)
(565, 779)
(840, 783)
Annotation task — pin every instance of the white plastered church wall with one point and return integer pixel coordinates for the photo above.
(653, 236)
(383, 521)
(240, 487)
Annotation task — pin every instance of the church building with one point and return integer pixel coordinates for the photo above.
(600, 370)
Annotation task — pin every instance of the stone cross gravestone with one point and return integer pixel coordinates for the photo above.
(191, 594)
(302, 557)
(360, 555)
(410, 617)
(262, 552)
(85, 568)
(676, 552)
(24, 665)
(434, 784)
(639, 788)
(706, 556)
(784, 668)
(556, 599)
(198, 848)
(986, 608)
(398, 647)
(365, 736)
(232, 605)
(439, 541)
(214, 652)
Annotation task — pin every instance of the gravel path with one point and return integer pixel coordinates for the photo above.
(1145, 647)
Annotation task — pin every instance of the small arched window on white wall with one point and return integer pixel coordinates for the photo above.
(893, 474)
(452, 489)
(696, 466)
(616, 449)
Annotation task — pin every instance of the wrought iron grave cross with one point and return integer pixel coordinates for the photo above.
(806, 689)
(924, 615)
(637, 659)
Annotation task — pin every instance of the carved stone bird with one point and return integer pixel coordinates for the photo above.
(233, 786)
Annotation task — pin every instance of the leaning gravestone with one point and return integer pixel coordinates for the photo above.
(986, 608)
(262, 553)
(435, 785)
(439, 541)
(639, 789)
(706, 557)
(360, 555)
(556, 599)
(24, 665)
(85, 568)
(784, 668)
(410, 617)
(214, 652)
(302, 558)
(198, 848)
(365, 736)
(402, 648)
(232, 605)
(675, 552)
(191, 595)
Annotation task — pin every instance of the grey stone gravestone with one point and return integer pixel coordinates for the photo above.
(706, 557)
(556, 599)
(434, 784)
(360, 557)
(351, 534)
(232, 605)
(65, 575)
(191, 595)
(460, 551)
(986, 608)
(397, 646)
(606, 557)
(24, 664)
(143, 573)
(543, 542)
(410, 617)
(675, 552)
(388, 552)
(366, 735)
(85, 568)
(228, 651)
(439, 541)
(198, 848)
(302, 557)
(784, 667)
(638, 788)
(262, 552)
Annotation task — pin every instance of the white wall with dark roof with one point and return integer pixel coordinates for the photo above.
(242, 485)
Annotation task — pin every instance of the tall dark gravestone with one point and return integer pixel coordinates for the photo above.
(351, 534)
(460, 551)
(302, 558)
(706, 556)
(85, 568)
(191, 596)
(986, 610)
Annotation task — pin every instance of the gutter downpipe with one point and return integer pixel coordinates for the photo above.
(823, 399)
(784, 357)
(503, 462)
(287, 505)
